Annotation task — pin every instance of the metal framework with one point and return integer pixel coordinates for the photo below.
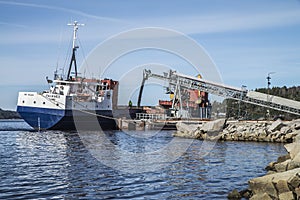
(188, 82)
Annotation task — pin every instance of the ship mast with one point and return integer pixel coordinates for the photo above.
(74, 47)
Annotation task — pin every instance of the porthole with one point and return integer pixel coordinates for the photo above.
(44, 103)
(23, 101)
(34, 102)
(57, 104)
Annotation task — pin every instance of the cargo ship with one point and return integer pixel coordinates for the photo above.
(71, 99)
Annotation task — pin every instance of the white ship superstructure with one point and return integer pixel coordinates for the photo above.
(70, 98)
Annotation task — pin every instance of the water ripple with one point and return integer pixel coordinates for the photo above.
(56, 165)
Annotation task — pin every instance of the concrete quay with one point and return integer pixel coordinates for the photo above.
(159, 124)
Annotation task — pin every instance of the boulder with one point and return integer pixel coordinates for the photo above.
(276, 126)
(289, 137)
(187, 134)
(282, 186)
(187, 130)
(263, 196)
(213, 126)
(286, 196)
(297, 136)
(294, 179)
(234, 195)
(283, 158)
(182, 127)
(281, 167)
(293, 165)
(295, 124)
(286, 129)
(271, 166)
(246, 193)
(265, 184)
(297, 192)
(297, 157)
(293, 149)
(240, 128)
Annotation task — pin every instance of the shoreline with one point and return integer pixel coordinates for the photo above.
(256, 131)
(282, 179)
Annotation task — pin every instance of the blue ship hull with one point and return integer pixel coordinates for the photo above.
(59, 119)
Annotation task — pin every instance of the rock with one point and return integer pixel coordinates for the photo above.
(294, 180)
(187, 130)
(286, 196)
(271, 166)
(293, 149)
(282, 186)
(186, 134)
(286, 130)
(265, 184)
(234, 194)
(283, 158)
(263, 196)
(297, 137)
(262, 186)
(246, 193)
(295, 124)
(297, 192)
(297, 158)
(281, 167)
(283, 179)
(276, 126)
(240, 128)
(289, 137)
(293, 165)
(216, 125)
(182, 127)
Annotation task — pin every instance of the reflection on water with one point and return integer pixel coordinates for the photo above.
(57, 165)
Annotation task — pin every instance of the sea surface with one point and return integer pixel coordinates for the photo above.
(58, 165)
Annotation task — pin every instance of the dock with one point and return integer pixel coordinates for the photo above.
(146, 121)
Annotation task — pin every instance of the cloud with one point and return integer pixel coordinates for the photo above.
(226, 22)
(77, 12)
(13, 25)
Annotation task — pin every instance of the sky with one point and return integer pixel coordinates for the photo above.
(245, 39)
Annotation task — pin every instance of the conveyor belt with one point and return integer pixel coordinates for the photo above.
(189, 82)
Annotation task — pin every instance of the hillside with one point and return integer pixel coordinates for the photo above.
(7, 114)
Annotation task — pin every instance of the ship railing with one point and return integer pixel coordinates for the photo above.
(150, 116)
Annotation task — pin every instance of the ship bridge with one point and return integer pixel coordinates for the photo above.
(179, 81)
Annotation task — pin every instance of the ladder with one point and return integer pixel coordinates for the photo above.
(183, 81)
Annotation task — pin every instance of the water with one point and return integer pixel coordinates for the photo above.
(56, 165)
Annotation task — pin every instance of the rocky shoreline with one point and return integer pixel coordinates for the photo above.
(282, 180)
(257, 131)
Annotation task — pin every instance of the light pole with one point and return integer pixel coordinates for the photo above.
(268, 84)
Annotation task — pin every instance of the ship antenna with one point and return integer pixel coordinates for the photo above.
(74, 47)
